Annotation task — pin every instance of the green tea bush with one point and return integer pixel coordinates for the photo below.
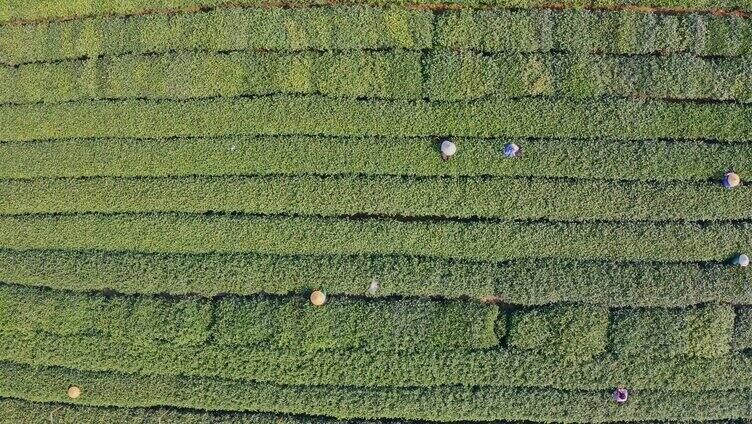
(293, 29)
(193, 75)
(19, 411)
(521, 282)
(518, 198)
(610, 32)
(18, 10)
(570, 332)
(344, 324)
(286, 323)
(494, 367)
(467, 76)
(292, 155)
(701, 332)
(742, 336)
(291, 115)
(179, 320)
(492, 241)
(377, 75)
(445, 403)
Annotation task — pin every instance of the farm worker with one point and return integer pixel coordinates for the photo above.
(731, 180)
(318, 298)
(74, 392)
(373, 287)
(448, 149)
(621, 395)
(742, 260)
(512, 150)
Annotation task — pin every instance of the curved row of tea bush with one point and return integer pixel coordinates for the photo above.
(289, 155)
(285, 323)
(521, 282)
(609, 32)
(451, 76)
(19, 10)
(50, 384)
(492, 241)
(569, 331)
(445, 76)
(358, 28)
(503, 198)
(14, 411)
(293, 29)
(370, 369)
(394, 75)
(318, 115)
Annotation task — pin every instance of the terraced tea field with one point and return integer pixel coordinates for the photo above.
(375, 211)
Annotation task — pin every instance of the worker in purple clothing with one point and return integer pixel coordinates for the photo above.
(621, 395)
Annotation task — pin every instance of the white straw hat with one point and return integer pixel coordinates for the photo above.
(448, 148)
(74, 392)
(318, 298)
(731, 180)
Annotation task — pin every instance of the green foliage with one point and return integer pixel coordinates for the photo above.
(291, 155)
(703, 332)
(467, 76)
(179, 320)
(597, 31)
(569, 332)
(153, 158)
(522, 282)
(290, 115)
(494, 241)
(503, 198)
(14, 411)
(742, 336)
(345, 324)
(285, 323)
(369, 369)
(445, 403)
(293, 29)
(375, 74)
(614, 32)
(197, 75)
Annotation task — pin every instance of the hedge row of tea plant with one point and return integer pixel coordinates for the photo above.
(503, 198)
(358, 28)
(319, 115)
(564, 331)
(473, 240)
(392, 75)
(443, 76)
(704, 332)
(18, 411)
(179, 320)
(293, 155)
(372, 369)
(520, 282)
(19, 10)
(286, 323)
(453, 403)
